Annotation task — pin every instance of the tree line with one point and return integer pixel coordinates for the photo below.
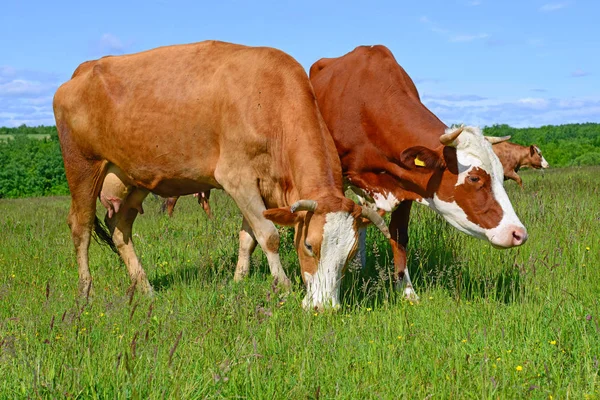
(31, 161)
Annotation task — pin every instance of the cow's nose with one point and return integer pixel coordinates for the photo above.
(519, 236)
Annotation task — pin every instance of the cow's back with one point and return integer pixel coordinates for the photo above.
(368, 101)
(183, 106)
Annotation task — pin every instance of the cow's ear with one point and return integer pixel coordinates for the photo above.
(421, 158)
(531, 150)
(282, 216)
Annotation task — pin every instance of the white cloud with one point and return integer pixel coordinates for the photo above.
(548, 7)
(451, 36)
(530, 111)
(110, 44)
(468, 38)
(474, 3)
(535, 103)
(26, 97)
(578, 73)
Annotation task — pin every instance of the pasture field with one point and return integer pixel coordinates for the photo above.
(501, 324)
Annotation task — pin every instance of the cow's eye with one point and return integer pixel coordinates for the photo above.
(309, 248)
(474, 179)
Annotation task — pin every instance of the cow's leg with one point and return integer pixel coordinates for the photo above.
(169, 205)
(203, 198)
(83, 177)
(252, 207)
(399, 240)
(247, 246)
(119, 225)
(514, 176)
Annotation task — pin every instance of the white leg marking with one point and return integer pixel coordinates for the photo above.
(409, 292)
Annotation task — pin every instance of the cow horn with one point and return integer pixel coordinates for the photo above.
(303, 205)
(495, 139)
(376, 219)
(447, 139)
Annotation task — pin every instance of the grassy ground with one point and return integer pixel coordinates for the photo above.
(519, 323)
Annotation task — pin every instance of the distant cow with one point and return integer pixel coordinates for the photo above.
(514, 156)
(395, 151)
(168, 204)
(184, 119)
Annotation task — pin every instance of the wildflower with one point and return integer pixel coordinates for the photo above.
(509, 351)
(498, 359)
(519, 368)
(430, 297)
(316, 314)
(12, 276)
(369, 309)
(399, 337)
(101, 315)
(552, 342)
(369, 362)
(464, 340)
(493, 365)
(371, 341)
(587, 248)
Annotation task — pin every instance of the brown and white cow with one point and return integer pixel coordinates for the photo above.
(395, 151)
(184, 119)
(514, 156)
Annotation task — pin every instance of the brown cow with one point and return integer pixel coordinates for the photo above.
(169, 203)
(514, 156)
(184, 119)
(395, 151)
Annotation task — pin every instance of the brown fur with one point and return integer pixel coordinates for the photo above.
(184, 119)
(514, 156)
(380, 126)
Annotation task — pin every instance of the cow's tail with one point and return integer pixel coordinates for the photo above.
(103, 236)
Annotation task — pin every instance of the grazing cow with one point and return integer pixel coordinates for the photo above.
(514, 156)
(395, 151)
(185, 119)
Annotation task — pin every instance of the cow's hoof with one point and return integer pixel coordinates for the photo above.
(410, 294)
(85, 289)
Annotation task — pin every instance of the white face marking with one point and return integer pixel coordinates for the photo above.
(339, 237)
(385, 202)
(472, 150)
(545, 163)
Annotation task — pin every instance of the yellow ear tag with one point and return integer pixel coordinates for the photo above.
(419, 163)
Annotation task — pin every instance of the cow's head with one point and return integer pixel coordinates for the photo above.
(537, 160)
(466, 186)
(326, 238)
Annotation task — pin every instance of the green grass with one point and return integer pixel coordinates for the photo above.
(519, 323)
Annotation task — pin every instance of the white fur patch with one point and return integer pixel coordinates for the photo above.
(385, 202)
(545, 163)
(339, 237)
(472, 150)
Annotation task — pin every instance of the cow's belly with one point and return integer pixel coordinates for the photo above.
(163, 180)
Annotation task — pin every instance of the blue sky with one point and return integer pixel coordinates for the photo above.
(481, 62)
